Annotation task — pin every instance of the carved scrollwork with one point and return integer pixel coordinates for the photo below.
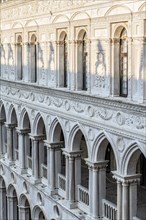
(105, 114)
(78, 107)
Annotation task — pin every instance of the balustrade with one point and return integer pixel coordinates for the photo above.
(109, 210)
(83, 198)
(44, 171)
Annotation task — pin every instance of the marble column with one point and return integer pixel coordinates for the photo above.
(10, 141)
(67, 176)
(12, 207)
(52, 168)
(36, 158)
(125, 209)
(24, 212)
(3, 203)
(133, 199)
(1, 138)
(22, 148)
(97, 186)
(55, 163)
(36, 139)
(102, 183)
(73, 175)
(119, 200)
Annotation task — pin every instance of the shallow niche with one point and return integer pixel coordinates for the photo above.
(40, 199)
(57, 212)
(25, 187)
(13, 178)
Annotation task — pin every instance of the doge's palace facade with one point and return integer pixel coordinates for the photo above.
(73, 109)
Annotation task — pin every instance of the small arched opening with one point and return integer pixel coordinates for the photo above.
(33, 58)
(82, 61)
(63, 60)
(19, 58)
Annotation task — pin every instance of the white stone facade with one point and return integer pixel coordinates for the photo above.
(73, 109)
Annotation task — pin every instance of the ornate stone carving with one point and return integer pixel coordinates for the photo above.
(91, 134)
(78, 107)
(90, 111)
(49, 119)
(120, 144)
(105, 114)
(100, 70)
(41, 98)
(120, 119)
(67, 105)
(67, 126)
(57, 102)
(33, 114)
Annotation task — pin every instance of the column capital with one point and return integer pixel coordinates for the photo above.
(72, 154)
(8, 125)
(55, 145)
(2, 120)
(36, 137)
(99, 165)
(126, 179)
(22, 130)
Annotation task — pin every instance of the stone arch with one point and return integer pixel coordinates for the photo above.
(23, 198)
(2, 112)
(31, 23)
(11, 190)
(82, 59)
(24, 207)
(62, 35)
(38, 213)
(12, 116)
(3, 212)
(80, 16)
(114, 10)
(2, 182)
(39, 125)
(80, 33)
(131, 157)
(24, 119)
(12, 202)
(60, 18)
(19, 39)
(55, 130)
(33, 38)
(98, 152)
(17, 25)
(118, 29)
(120, 60)
(74, 137)
(142, 7)
(63, 59)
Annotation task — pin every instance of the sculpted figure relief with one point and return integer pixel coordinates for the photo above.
(100, 71)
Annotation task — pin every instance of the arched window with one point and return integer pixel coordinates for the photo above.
(120, 62)
(82, 61)
(33, 59)
(123, 63)
(63, 57)
(19, 58)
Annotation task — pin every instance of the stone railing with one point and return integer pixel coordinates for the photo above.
(83, 198)
(109, 210)
(136, 218)
(44, 171)
(16, 154)
(29, 162)
(61, 185)
(61, 182)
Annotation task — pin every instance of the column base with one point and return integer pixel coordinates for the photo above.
(70, 205)
(34, 180)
